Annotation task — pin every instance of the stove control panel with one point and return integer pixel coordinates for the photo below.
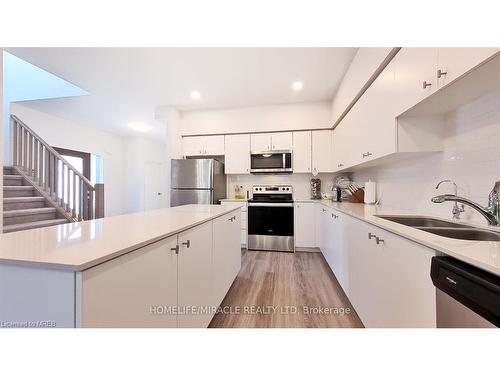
(272, 189)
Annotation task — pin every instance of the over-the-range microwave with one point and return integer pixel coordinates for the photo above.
(271, 162)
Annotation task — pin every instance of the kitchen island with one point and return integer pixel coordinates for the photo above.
(163, 268)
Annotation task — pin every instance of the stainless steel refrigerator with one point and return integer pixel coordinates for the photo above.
(197, 181)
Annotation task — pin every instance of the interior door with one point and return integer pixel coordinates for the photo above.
(153, 186)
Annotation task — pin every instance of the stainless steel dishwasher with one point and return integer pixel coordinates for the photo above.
(466, 297)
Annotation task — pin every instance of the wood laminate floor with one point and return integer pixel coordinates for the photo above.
(275, 290)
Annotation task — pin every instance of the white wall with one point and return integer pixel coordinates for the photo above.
(138, 153)
(365, 63)
(471, 157)
(264, 118)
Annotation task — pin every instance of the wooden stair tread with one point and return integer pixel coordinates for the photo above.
(23, 199)
(18, 187)
(12, 177)
(29, 211)
(33, 225)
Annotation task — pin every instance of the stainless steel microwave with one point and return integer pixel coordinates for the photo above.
(271, 162)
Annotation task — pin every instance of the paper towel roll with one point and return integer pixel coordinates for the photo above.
(370, 192)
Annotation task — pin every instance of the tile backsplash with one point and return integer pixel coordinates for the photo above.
(300, 182)
(471, 157)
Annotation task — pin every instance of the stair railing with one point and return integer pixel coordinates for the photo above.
(57, 178)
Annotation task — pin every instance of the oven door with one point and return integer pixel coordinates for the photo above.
(271, 163)
(270, 226)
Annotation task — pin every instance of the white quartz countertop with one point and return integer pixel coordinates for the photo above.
(482, 254)
(78, 246)
(234, 200)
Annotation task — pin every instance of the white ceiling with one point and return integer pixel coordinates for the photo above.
(127, 84)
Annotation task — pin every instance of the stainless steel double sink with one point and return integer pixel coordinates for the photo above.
(444, 228)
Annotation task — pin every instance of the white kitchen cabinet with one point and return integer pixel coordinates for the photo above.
(415, 76)
(124, 292)
(195, 275)
(237, 154)
(389, 281)
(213, 145)
(372, 127)
(302, 152)
(322, 151)
(260, 142)
(226, 253)
(322, 228)
(244, 218)
(192, 146)
(305, 224)
(344, 139)
(203, 145)
(336, 253)
(453, 62)
(282, 141)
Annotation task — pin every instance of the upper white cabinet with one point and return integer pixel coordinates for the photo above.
(263, 142)
(415, 75)
(302, 152)
(237, 155)
(453, 62)
(281, 141)
(322, 151)
(305, 224)
(203, 145)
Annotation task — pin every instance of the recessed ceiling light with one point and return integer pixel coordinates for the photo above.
(297, 86)
(139, 127)
(195, 95)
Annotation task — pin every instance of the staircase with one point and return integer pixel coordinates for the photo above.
(23, 208)
(42, 188)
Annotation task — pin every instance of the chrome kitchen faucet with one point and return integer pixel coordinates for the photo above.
(490, 213)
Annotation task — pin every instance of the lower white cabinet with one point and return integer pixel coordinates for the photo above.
(226, 254)
(244, 219)
(194, 275)
(126, 291)
(305, 224)
(175, 282)
(387, 279)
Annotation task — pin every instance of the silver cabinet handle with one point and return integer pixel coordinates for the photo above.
(370, 236)
(379, 240)
(426, 84)
(323, 210)
(187, 243)
(366, 154)
(341, 165)
(441, 73)
(334, 216)
(176, 249)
